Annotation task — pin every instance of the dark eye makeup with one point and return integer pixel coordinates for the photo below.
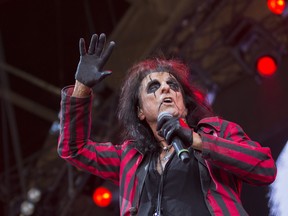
(174, 85)
(152, 86)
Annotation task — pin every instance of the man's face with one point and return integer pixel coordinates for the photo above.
(159, 92)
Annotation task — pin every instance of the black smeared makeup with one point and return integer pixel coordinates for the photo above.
(172, 82)
(154, 92)
(151, 83)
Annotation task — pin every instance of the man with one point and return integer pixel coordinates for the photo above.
(163, 116)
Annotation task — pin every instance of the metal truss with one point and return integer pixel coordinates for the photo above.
(201, 38)
(60, 184)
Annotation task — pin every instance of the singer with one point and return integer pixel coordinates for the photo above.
(162, 114)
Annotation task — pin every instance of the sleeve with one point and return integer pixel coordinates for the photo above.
(74, 145)
(226, 146)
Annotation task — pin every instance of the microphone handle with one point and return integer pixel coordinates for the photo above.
(182, 153)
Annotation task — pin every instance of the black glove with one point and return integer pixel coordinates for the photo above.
(170, 127)
(89, 71)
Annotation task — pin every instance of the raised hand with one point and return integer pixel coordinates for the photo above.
(89, 71)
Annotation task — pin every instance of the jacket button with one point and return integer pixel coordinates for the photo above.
(133, 211)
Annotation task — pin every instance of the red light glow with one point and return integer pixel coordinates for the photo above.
(276, 6)
(102, 197)
(266, 66)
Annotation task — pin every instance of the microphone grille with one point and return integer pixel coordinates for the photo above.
(164, 115)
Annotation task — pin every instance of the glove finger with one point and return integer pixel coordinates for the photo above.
(164, 129)
(162, 121)
(170, 130)
(108, 51)
(92, 44)
(186, 135)
(82, 48)
(169, 136)
(104, 74)
(100, 45)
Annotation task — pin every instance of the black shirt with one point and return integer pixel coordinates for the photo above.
(181, 189)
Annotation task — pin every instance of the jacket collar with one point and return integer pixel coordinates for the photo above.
(213, 122)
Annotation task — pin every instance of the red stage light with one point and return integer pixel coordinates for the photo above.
(102, 197)
(276, 6)
(266, 66)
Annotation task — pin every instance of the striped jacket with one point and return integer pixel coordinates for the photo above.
(228, 159)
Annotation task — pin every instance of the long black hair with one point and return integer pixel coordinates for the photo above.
(139, 131)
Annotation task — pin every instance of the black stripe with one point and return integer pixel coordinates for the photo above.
(243, 165)
(127, 168)
(217, 196)
(224, 126)
(91, 163)
(86, 114)
(75, 103)
(62, 121)
(228, 189)
(72, 129)
(246, 151)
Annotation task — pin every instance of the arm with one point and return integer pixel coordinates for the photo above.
(74, 145)
(229, 148)
(80, 90)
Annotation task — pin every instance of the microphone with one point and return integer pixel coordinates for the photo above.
(182, 152)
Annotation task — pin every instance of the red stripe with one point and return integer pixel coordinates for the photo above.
(245, 174)
(103, 174)
(127, 180)
(91, 155)
(230, 204)
(79, 125)
(216, 208)
(231, 153)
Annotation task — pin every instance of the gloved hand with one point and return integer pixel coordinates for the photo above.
(170, 127)
(89, 71)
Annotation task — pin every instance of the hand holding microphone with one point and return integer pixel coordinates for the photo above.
(170, 128)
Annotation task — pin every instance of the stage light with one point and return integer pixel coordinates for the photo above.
(266, 65)
(102, 196)
(256, 50)
(34, 195)
(27, 208)
(276, 6)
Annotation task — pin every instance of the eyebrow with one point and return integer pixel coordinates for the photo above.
(151, 82)
(170, 78)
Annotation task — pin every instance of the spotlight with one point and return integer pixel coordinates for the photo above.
(255, 48)
(34, 195)
(102, 196)
(266, 65)
(276, 6)
(27, 208)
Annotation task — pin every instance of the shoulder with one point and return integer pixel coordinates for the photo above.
(217, 123)
(129, 145)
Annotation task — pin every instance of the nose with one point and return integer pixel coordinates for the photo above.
(165, 87)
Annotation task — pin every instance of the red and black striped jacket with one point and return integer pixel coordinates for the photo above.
(228, 159)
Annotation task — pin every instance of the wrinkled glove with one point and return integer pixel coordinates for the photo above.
(89, 71)
(170, 127)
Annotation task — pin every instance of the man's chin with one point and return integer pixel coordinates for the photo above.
(174, 112)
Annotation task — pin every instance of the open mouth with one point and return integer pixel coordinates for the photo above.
(167, 100)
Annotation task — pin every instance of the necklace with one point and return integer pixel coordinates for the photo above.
(168, 154)
(167, 148)
(163, 160)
